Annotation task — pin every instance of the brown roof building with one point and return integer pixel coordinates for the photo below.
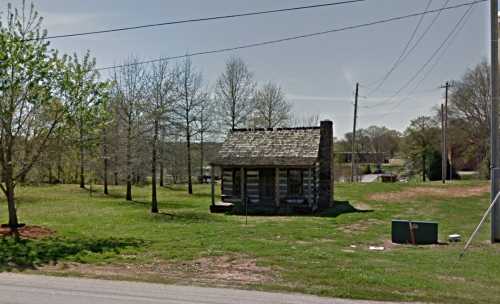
(283, 169)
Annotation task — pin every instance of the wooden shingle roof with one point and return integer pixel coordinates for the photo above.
(270, 147)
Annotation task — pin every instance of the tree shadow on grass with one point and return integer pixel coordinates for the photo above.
(177, 188)
(22, 254)
(202, 194)
(187, 217)
(339, 208)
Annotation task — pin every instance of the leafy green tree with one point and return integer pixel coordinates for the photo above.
(421, 142)
(30, 113)
(87, 95)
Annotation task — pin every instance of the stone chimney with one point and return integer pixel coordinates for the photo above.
(326, 164)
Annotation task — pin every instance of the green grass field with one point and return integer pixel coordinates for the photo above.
(106, 236)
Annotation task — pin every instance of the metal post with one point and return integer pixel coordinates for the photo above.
(353, 153)
(495, 212)
(444, 125)
(443, 147)
(212, 184)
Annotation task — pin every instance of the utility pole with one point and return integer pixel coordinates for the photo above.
(353, 153)
(443, 146)
(444, 118)
(495, 212)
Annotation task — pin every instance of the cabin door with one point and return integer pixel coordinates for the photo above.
(267, 185)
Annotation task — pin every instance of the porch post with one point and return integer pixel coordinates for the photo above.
(212, 184)
(242, 185)
(310, 194)
(277, 186)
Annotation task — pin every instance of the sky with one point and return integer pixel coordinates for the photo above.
(317, 74)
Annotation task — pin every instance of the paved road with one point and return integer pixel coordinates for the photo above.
(30, 289)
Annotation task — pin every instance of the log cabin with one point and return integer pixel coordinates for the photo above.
(278, 170)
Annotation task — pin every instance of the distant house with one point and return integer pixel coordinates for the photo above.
(277, 170)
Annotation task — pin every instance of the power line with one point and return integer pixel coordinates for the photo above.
(424, 33)
(128, 28)
(407, 46)
(451, 35)
(411, 96)
(454, 34)
(429, 71)
(269, 42)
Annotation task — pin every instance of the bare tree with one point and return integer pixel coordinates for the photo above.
(129, 94)
(162, 157)
(305, 121)
(161, 85)
(271, 108)
(190, 96)
(469, 117)
(234, 90)
(205, 126)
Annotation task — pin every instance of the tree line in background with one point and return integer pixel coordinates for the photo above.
(420, 144)
(60, 122)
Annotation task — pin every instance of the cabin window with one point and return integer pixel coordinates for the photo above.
(295, 182)
(236, 182)
(267, 185)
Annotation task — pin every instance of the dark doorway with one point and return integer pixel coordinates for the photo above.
(267, 185)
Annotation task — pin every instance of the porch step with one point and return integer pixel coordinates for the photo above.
(221, 208)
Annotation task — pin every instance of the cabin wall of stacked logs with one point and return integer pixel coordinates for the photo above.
(252, 188)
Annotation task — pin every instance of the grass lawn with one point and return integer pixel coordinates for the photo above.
(106, 236)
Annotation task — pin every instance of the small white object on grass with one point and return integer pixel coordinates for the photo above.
(376, 248)
(454, 238)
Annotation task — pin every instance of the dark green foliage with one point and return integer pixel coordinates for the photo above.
(26, 254)
(367, 169)
(435, 165)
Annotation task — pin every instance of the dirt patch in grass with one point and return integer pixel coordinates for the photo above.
(28, 232)
(360, 226)
(433, 192)
(227, 270)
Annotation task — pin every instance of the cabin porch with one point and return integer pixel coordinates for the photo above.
(268, 190)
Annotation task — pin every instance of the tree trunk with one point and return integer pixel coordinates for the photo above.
(423, 168)
(22, 179)
(233, 114)
(188, 144)
(202, 155)
(82, 176)
(59, 168)
(154, 202)
(9, 190)
(51, 178)
(162, 169)
(105, 150)
(115, 165)
(129, 162)
(13, 221)
(162, 173)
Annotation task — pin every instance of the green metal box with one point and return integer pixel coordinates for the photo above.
(414, 232)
